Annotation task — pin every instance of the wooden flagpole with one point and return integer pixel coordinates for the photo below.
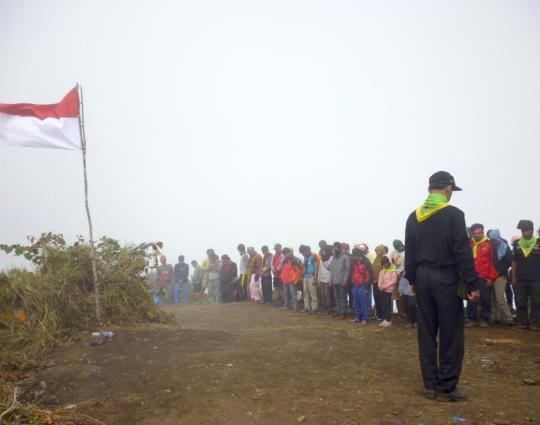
(91, 232)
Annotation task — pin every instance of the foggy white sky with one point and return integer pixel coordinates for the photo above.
(211, 123)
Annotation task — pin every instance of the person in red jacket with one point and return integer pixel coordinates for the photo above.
(487, 274)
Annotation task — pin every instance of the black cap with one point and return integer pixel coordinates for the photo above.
(443, 179)
(525, 225)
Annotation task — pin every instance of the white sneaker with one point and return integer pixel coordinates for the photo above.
(387, 324)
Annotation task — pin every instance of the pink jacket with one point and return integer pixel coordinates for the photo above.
(387, 280)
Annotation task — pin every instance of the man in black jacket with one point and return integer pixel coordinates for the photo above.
(438, 255)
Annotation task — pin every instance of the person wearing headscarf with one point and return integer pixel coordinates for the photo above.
(254, 274)
(502, 259)
(526, 276)
(380, 252)
(398, 258)
(388, 278)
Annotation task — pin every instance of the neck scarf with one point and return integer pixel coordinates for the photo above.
(434, 203)
(390, 268)
(527, 245)
(475, 246)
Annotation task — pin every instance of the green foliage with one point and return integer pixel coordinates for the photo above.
(43, 308)
(58, 297)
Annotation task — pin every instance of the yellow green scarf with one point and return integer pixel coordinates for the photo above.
(475, 246)
(434, 203)
(527, 245)
(390, 268)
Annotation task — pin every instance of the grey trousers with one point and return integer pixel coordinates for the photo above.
(340, 295)
(289, 293)
(213, 291)
(500, 312)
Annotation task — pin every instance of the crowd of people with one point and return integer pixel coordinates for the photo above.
(341, 281)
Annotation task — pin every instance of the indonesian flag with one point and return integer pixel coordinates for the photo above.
(54, 126)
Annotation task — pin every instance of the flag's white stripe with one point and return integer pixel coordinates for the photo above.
(54, 133)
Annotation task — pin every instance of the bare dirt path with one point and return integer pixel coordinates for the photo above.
(252, 364)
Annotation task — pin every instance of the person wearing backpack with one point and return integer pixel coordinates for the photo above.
(361, 277)
(291, 274)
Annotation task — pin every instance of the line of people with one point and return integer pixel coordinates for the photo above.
(339, 281)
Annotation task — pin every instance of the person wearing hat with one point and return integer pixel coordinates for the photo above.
(438, 255)
(526, 276)
(398, 258)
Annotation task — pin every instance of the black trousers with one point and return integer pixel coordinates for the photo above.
(378, 303)
(387, 305)
(485, 303)
(266, 287)
(409, 304)
(524, 290)
(509, 294)
(440, 311)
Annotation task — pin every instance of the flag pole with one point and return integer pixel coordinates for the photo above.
(91, 232)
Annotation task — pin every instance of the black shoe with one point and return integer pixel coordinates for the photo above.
(455, 396)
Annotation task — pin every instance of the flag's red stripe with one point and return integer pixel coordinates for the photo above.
(67, 108)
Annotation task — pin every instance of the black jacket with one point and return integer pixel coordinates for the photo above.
(527, 268)
(441, 241)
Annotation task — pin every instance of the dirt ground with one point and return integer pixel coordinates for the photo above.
(251, 364)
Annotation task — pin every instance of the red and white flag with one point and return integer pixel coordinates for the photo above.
(54, 126)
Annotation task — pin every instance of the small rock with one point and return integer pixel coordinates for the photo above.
(301, 418)
(531, 381)
(527, 419)
(501, 422)
(489, 342)
(229, 365)
(70, 407)
(43, 384)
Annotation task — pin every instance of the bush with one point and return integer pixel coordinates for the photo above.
(43, 308)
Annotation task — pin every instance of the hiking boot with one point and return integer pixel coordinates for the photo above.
(470, 324)
(455, 396)
(484, 324)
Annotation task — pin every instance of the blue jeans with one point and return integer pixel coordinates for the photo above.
(370, 297)
(360, 299)
(181, 289)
